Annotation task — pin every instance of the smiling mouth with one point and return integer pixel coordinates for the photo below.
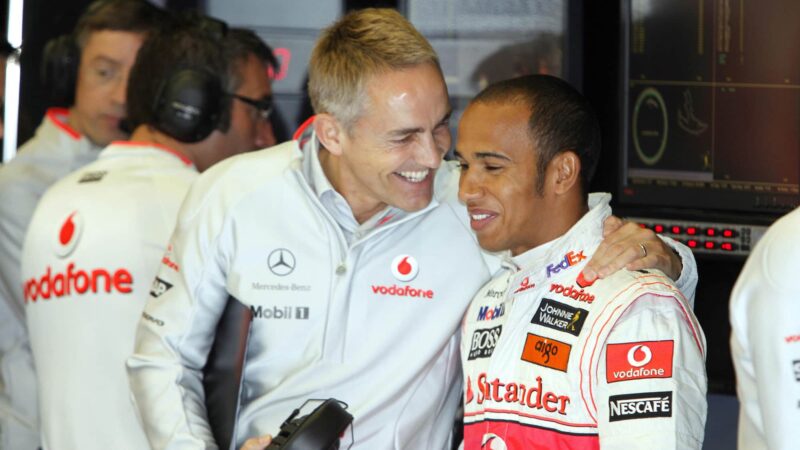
(479, 220)
(414, 176)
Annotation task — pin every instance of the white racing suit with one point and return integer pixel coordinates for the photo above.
(551, 361)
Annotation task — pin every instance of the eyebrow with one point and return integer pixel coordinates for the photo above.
(106, 59)
(483, 155)
(405, 131)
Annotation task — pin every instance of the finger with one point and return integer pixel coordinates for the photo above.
(257, 443)
(626, 256)
(611, 224)
(609, 256)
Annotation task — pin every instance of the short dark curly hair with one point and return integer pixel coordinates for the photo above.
(561, 119)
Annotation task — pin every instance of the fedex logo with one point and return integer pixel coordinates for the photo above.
(570, 259)
(489, 313)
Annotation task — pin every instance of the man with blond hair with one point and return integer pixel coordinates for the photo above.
(349, 247)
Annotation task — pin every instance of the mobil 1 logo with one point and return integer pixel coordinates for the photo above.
(483, 342)
(640, 406)
(280, 312)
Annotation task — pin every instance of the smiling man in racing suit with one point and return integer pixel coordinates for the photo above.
(550, 359)
(349, 247)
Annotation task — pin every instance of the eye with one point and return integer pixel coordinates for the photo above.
(105, 73)
(461, 164)
(404, 140)
(492, 168)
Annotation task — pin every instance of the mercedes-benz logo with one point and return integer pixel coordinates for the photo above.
(281, 262)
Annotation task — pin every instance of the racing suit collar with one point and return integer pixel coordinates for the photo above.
(599, 210)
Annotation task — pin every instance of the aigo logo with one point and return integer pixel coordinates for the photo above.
(405, 267)
(68, 235)
(546, 352)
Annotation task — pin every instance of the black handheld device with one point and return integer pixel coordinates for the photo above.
(320, 430)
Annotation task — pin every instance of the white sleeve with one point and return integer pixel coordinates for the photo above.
(177, 329)
(774, 334)
(651, 379)
(765, 316)
(687, 281)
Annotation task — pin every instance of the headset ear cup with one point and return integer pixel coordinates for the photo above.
(59, 70)
(188, 106)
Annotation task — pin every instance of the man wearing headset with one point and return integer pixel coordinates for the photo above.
(105, 41)
(197, 94)
(349, 247)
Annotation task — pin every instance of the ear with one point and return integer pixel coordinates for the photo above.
(329, 132)
(565, 171)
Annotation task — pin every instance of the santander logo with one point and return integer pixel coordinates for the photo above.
(68, 235)
(405, 267)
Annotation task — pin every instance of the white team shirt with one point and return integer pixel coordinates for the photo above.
(53, 152)
(765, 339)
(89, 260)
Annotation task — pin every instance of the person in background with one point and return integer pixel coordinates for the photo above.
(107, 36)
(765, 339)
(6, 51)
(616, 363)
(197, 94)
(348, 245)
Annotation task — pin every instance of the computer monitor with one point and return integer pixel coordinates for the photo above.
(711, 106)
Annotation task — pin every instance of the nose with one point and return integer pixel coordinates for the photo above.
(118, 95)
(265, 135)
(430, 151)
(468, 187)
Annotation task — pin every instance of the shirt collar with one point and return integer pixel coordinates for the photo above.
(333, 201)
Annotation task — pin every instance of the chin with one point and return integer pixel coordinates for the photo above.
(489, 246)
(413, 205)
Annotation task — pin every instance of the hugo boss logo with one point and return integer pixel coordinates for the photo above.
(484, 342)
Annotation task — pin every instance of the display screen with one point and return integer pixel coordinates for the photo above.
(711, 98)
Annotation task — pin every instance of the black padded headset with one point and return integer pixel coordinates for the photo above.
(59, 70)
(191, 102)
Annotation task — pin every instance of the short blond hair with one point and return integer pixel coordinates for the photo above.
(358, 46)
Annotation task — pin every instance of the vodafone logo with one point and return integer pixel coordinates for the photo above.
(638, 360)
(405, 267)
(635, 360)
(68, 235)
